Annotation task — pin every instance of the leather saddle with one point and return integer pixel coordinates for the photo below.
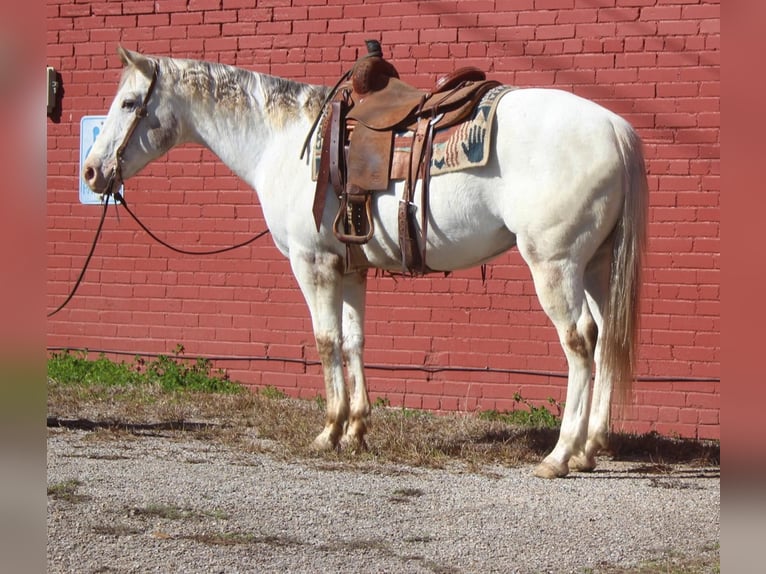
(368, 107)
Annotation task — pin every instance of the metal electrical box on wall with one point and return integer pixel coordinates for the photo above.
(90, 127)
(52, 83)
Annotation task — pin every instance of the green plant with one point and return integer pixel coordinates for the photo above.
(174, 373)
(74, 367)
(271, 392)
(66, 490)
(172, 512)
(381, 402)
(533, 416)
(414, 413)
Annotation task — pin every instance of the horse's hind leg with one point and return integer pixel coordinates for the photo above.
(320, 277)
(559, 286)
(597, 290)
(354, 292)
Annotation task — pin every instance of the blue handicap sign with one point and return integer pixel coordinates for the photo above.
(90, 127)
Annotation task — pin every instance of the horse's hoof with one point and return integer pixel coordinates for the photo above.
(549, 470)
(323, 443)
(582, 463)
(353, 443)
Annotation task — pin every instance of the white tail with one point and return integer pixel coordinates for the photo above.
(623, 308)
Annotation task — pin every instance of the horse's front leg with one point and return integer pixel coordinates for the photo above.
(354, 292)
(320, 277)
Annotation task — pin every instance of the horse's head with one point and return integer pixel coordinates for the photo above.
(139, 128)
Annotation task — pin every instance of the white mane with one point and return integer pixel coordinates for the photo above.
(279, 100)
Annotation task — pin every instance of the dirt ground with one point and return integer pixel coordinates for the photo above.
(150, 499)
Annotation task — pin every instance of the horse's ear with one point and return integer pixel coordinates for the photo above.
(131, 58)
(126, 56)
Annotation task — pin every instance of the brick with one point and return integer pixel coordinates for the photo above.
(537, 18)
(688, 417)
(597, 30)
(555, 32)
(577, 16)
(554, 4)
(622, 14)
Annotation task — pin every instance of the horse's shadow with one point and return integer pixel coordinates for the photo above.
(653, 453)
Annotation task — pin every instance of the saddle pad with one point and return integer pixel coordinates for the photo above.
(460, 147)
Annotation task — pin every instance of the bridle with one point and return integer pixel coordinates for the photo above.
(140, 113)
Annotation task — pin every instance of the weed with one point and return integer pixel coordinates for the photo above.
(170, 512)
(171, 373)
(74, 367)
(243, 538)
(67, 491)
(273, 393)
(160, 511)
(414, 413)
(534, 417)
(381, 402)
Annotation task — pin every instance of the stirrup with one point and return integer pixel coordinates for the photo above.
(338, 226)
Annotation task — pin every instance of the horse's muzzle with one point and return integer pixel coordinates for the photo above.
(97, 178)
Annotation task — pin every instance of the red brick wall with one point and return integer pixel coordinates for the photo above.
(654, 61)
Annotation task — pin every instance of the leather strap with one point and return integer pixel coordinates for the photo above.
(141, 113)
(407, 231)
(425, 174)
(337, 146)
(323, 177)
(331, 160)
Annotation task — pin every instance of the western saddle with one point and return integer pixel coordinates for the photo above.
(367, 108)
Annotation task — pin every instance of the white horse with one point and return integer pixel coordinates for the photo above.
(566, 185)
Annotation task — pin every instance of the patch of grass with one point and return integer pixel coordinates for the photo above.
(413, 413)
(670, 564)
(170, 512)
(533, 416)
(67, 491)
(381, 402)
(74, 368)
(171, 373)
(243, 538)
(273, 393)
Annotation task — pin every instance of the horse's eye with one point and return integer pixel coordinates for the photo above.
(128, 104)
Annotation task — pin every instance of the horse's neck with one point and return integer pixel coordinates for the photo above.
(244, 136)
(238, 137)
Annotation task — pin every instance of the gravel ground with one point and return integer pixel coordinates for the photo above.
(167, 502)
